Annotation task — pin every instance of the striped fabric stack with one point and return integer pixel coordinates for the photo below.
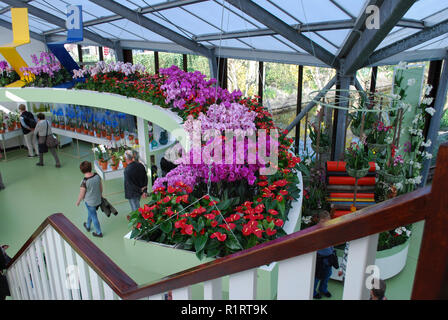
(341, 188)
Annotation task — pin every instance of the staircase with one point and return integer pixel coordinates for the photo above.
(59, 262)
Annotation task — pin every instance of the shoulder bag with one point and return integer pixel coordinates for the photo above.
(51, 140)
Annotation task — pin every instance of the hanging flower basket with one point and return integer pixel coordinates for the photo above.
(357, 173)
(390, 178)
(377, 147)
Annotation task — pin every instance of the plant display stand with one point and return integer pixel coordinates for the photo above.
(16, 134)
(171, 260)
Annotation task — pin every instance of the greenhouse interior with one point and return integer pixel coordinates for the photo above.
(223, 150)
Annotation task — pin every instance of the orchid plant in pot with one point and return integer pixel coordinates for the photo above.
(47, 72)
(357, 160)
(7, 74)
(102, 155)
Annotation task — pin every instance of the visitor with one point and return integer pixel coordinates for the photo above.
(28, 124)
(42, 130)
(91, 191)
(135, 179)
(4, 260)
(379, 292)
(324, 262)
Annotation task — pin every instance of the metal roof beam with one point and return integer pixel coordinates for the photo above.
(150, 9)
(34, 35)
(409, 42)
(155, 27)
(261, 15)
(321, 26)
(391, 12)
(57, 21)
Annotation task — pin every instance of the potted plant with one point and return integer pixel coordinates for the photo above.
(377, 138)
(7, 74)
(393, 172)
(2, 125)
(102, 155)
(357, 160)
(115, 161)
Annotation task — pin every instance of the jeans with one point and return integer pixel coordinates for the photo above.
(135, 203)
(92, 217)
(323, 286)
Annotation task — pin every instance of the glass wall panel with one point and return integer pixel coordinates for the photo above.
(243, 75)
(146, 58)
(198, 63)
(167, 59)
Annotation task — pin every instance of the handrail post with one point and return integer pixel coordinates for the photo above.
(431, 277)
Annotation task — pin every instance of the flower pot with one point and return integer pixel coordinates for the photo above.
(114, 167)
(18, 125)
(91, 133)
(131, 137)
(103, 165)
(2, 130)
(86, 132)
(136, 141)
(124, 164)
(11, 128)
(78, 130)
(109, 137)
(72, 129)
(377, 147)
(390, 178)
(357, 173)
(117, 138)
(122, 135)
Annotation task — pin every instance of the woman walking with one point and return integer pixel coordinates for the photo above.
(42, 130)
(91, 191)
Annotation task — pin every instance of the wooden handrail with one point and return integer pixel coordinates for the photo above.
(428, 203)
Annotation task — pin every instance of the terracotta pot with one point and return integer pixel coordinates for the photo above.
(103, 165)
(2, 130)
(78, 130)
(86, 131)
(115, 167)
(117, 138)
(122, 135)
(131, 137)
(18, 125)
(103, 134)
(109, 138)
(72, 129)
(124, 164)
(11, 128)
(91, 133)
(136, 141)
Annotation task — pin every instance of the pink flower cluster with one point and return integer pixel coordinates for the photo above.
(182, 87)
(102, 67)
(4, 66)
(46, 64)
(398, 160)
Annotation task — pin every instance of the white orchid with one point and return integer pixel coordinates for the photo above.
(428, 155)
(428, 89)
(399, 186)
(427, 143)
(427, 101)
(431, 111)
(408, 233)
(398, 231)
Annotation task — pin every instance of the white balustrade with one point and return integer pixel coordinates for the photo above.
(296, 277)
(182, 293)
(242, 285)
(213, 289)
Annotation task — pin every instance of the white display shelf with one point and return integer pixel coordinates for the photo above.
(11, 134)
(109, 174)
(92, 139)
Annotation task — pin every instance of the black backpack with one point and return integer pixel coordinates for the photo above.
(29, 119)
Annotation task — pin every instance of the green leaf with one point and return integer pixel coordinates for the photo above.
(281, 207)
(199, 242)
(200, 254)
(213, 252)
(134, 233)
(166, 226)
(232, 244)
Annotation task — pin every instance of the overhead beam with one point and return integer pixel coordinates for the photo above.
(153, 26)
(311, 27)
(149, 9)
(34, 35)
(57, 21)
(409, 42)
(391, 12)
(272, 22)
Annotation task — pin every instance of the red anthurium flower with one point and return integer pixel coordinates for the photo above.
(188, 229)
(278, 222)
(166, 199)
(247, 230)
(273, 212)
(263, 183)
(259, 208)
(214, 223)
(139, 225)
(281, 183)
(180, 223)
(296, 159)
(259, 200)
(230, 226)
(212, 203)
(279, 198)
(202, 231)
(258, 232)
(207, 197)
(270, 232)
(210, 216)
(218, 235)
(269, 219)
(171, 189)
(283, 192)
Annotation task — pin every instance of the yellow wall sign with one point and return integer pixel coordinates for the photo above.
(21, 36)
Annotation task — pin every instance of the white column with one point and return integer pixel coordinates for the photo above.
(296, 277)
(242, 285)
(361, 254)
(182, 293)
(213, 289)
(143, 141)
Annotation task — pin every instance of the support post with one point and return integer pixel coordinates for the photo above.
(213, 64)
(434, 125)
(435, 68)
(260, 82)
(127, 56)
(79, 47)
(341, 116)
(299, 105)
(222, 72)
(156, 61)
(100, 54)
(185, 62)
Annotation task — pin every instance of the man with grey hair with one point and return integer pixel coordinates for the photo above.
(135, 179)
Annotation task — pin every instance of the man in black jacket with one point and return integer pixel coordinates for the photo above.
(28, 124)
(135, 180)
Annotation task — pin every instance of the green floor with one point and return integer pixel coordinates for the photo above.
(32, 193)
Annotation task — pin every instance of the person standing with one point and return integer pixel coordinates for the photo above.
(42, 130)
(28, 125)
(323, 264)
(135, 179)
(91, 191)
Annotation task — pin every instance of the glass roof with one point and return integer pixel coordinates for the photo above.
(217, 23)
